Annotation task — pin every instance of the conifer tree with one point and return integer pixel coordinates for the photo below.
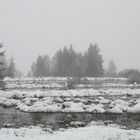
(2, 67)
(11, 70)
(111, 71)
(93, 62)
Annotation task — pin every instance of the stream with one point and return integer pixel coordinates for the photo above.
(10, 117)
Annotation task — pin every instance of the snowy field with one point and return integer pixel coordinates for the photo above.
(114, 97)
(59, 83)
(93, 131)
(86, 100)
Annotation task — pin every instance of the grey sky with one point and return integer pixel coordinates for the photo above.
(32, 27)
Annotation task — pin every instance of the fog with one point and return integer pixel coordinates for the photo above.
(32, 27)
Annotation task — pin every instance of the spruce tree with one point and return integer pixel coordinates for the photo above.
(93, 62)
(11, 70)
(41, 68)
(111, 71)
(2, 68)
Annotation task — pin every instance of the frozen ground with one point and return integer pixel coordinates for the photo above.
(93, 131)
(121, 101)
(46, 79)
(59, 83)
(87, 100)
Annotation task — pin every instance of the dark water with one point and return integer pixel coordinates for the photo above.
(18, 119)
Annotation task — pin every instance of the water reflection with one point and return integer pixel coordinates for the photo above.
(63, 120)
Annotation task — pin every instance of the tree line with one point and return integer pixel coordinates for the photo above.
(7, 67)
(68, 62)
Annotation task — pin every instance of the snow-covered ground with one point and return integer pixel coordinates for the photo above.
(86, 100)
(93, 131)
(44, 79)
(104, 100)
(59, 82)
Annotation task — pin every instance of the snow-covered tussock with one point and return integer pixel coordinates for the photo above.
(87, 100)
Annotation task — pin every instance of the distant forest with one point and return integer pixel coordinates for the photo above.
(67, 62)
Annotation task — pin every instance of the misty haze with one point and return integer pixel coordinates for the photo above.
(69, 70)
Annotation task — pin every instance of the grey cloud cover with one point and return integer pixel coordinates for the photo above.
(32, 27)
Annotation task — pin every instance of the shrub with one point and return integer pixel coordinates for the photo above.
(134, 79)
(72, 82)
(128, 73)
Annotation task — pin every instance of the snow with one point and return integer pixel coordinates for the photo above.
(8, 102)
(119, 102)
(50, 93)
(60, 82)
(118, 109)
(95, 108)
(84, 100)
(119, 106)
(102, 100)
(44, 79)
(135, 109)
(97, 132)
(73, 107)
(105, 100)
(52, 101)
(68, 93)
(40, 106)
